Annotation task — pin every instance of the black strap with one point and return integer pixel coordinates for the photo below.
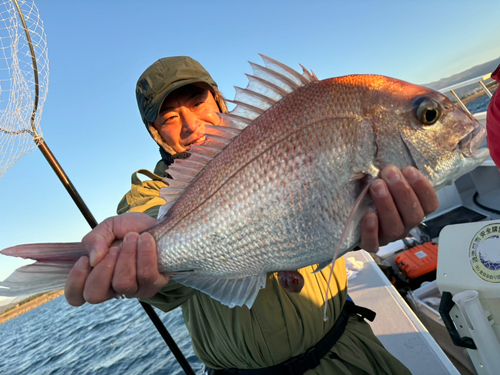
(169, 159)
(362, 312)
(310, 359)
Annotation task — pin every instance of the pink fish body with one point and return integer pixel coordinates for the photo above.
(278, 196)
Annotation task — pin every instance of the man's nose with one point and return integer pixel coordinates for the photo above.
(190, 122)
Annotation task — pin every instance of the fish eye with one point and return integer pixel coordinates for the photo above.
(428, 112)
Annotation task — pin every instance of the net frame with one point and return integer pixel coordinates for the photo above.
(24, 76)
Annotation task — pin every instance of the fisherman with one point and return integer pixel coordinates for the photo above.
(177, 97)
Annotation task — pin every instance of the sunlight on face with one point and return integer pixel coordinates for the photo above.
(183, 116)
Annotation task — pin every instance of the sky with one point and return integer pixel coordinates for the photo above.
(98, 49)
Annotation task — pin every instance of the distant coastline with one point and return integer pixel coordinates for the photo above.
(471, 97)
(23, 307)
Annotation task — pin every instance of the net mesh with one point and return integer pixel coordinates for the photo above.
(18, 80)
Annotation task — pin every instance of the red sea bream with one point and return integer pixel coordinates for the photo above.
(272, 188)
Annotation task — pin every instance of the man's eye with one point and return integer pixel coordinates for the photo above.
(169, 118)
(198, 104)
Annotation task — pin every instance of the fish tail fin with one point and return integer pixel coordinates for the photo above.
(50, 271)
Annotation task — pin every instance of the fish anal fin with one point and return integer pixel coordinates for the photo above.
(229, 292)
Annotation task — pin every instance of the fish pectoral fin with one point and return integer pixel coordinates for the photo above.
(229, 292)
(365, 183)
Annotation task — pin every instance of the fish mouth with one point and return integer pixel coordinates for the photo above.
(469, 145)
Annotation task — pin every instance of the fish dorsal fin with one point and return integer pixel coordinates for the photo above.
(183, 171)
(265, 87)
(286, 71)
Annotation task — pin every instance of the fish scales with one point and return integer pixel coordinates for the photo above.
(278, 196)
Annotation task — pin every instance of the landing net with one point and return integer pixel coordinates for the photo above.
(23, 81)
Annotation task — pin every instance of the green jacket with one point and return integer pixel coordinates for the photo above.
(280, 325)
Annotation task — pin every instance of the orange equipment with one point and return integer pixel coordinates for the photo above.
(418, 260)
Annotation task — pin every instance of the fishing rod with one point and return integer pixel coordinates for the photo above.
(56, 167)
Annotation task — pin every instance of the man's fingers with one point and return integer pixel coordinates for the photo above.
(390, 224)
(98, 285)
(369, 233)
(76, 282)
(124, 277)
(423, 189)
(132, 222)
(149, 279)
(97, 242)
(404, 197)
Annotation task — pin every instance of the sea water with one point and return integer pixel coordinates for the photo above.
(478, 105)
(115, 337)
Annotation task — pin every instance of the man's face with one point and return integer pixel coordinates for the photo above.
(183, 115)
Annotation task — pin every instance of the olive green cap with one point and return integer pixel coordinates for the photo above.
(163, 77)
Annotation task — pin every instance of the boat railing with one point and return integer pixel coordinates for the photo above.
(477, 80)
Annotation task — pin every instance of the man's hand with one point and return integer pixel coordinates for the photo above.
(403, 198)
(109, 269)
